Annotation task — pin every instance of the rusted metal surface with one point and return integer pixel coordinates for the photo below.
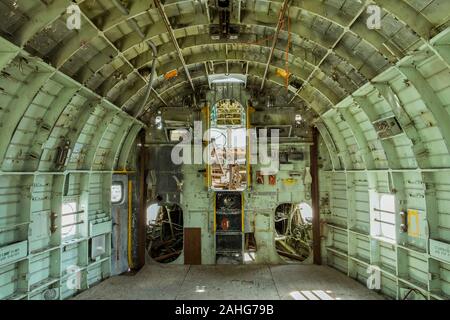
(165, 234)
(293, 232)
(315, 197)
(192, 246)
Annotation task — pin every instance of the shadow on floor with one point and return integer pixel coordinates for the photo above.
(231, 282)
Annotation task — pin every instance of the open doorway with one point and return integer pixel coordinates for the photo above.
(228, 141)
(250, 248)
(164, 240)
(293, 231)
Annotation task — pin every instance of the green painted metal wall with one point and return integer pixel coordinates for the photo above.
(414, 166)
(41, 108)
(40, 104)
(260, 203)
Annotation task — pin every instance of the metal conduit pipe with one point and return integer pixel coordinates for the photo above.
(133, 24)
(121, 7)
(150, 81)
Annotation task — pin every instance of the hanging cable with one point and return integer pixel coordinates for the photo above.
(133, 24)
(150, 81)
(121, 7)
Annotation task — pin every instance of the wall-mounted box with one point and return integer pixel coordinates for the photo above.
(387, 127)
(96, 229)
(13, 252)
(97, 247)
(287, 167)
(440, 250)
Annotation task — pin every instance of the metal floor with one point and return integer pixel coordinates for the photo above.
(231, 282)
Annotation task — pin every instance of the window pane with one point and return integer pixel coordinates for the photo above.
(306, 211)
(387, 202)
(69, 218)
(178, 134)
(116, 193)
(388, 231)
(152, 212)
(383, 220)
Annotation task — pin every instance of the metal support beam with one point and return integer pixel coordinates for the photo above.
(318, 9)
(361, 139)
(324, 58)
(125, 148)
(407, 123)
(331, 147)
(388, 147)
(119, 54)
(424, 28)
(406, 13)
(239, 11)
(431, 100)
(142, 210)
(341, 143)
(208, 15)
(40, 18)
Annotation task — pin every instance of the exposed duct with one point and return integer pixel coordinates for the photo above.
(133, 24)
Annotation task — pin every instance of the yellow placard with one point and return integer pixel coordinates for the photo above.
(413, 223)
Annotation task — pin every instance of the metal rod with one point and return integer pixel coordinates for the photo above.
(385, 211)
(275, 39)
(174, 40)
(72, 213)
(72, 224)
(384, 222)
(170, 222)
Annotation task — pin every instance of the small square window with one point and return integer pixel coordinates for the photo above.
(383, 217)
(179, 135)
(97, 246)
(69, 220)
(116, 192)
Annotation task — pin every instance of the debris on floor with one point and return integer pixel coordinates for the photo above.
(293, 234)
(165, 234)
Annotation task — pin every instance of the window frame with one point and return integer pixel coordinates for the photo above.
(378, 222)
(187, 129)
(65, 236)
(122, 192)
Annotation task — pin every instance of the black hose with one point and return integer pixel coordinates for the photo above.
(121, 8)
(150, 81)
(151, 45)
